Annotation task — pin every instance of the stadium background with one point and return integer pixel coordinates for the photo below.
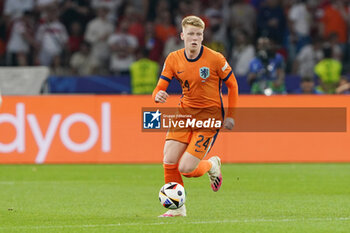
(117, 47)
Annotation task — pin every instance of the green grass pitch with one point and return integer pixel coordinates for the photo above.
(124, 198)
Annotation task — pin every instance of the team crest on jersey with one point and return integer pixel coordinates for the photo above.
(204, 72)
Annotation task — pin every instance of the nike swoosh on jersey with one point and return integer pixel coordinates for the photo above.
(179, 72)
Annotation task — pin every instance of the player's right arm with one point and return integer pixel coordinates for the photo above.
(159, 94)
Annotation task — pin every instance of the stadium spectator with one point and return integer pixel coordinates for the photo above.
(344, 86)
(82, 63)
(271, 21)
(22, 38)
(307, 86)
(136, 26)
(299, 24)
(144, 74)
(75, 11)
(316, 11)
(328, 19)
(186, 8)
(152, 44)
(328, 71)
(75, 37)
(45, 4)
(334, 20)
(52, 37)
(195, 7)
(15, 8)
(213, 44)
(97, 33)
(242, 18)
(172, 44)
(111, 5)
(266, 70)
(163, 27)
(256, 3)
(140, 8)
(242, 53)
(57, 68)
(217, 24)
(337, 52)
(155, 7)
(307, 58)
(123, 47)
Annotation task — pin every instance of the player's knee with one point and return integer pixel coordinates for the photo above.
(185, 168)
(168, 158)
(169, 161)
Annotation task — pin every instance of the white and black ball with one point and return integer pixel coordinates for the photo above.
(172, 195)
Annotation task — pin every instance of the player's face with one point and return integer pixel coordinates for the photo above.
(192, 37)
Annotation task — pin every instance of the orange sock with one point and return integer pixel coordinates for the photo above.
(172, 174)
(203, 167)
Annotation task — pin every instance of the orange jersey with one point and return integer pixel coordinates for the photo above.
(201, 78)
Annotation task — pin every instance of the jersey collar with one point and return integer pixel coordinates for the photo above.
(195, 59)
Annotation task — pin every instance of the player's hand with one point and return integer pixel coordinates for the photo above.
(229, 123)
(161, 97)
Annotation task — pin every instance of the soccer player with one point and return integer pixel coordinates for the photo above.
(201, 72)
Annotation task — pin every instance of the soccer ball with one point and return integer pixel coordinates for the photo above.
(172, 195)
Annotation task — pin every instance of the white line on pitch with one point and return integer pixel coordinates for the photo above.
(55, 182)
(188, 223)
(7, 182)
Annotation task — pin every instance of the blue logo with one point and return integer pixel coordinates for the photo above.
(151, 120)
(167, 202)
(204, 72)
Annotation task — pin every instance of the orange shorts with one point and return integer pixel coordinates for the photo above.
(199, 141)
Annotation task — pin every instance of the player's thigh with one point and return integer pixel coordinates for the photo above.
(188, 163)
(173, 150)
(176, 144)
(201, 143)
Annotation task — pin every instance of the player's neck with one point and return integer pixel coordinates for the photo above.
(192, 54)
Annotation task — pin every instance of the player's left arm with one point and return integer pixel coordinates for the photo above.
(232, 87)
(226, 73)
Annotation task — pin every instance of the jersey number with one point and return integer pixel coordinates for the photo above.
(186, 85)
(205, 144)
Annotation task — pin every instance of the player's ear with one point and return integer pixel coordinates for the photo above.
(182, 36)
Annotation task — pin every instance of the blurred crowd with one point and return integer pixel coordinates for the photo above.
(262, 39)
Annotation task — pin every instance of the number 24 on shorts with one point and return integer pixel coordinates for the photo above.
(200, 140)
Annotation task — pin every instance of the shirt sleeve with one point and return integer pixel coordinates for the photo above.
(165, 77)
(167, 71)
(161, 86)
(232, 87)
(226, 74)
(224, 69)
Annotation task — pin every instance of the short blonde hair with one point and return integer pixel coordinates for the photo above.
(194, 21)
